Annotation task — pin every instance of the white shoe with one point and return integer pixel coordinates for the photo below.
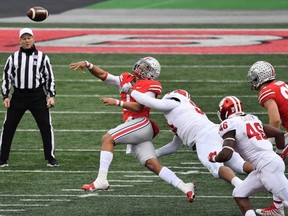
(271, 211)
(191, 192)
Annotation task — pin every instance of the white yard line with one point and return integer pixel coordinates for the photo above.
(24, 205)
(104, 194)
(46, 200)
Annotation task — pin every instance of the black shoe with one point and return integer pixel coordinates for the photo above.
(52, 163)
(3, 163)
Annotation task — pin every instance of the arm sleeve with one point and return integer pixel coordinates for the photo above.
(162, 105)
(169, 148)
(113, 80)
(6, 80)
(50, 81)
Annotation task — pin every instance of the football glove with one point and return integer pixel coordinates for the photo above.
(126, 87)
(212, 156)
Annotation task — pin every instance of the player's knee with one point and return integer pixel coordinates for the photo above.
(108, 142)
(154, 165)
(107, 138)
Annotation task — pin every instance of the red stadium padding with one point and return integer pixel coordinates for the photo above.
(161, 41)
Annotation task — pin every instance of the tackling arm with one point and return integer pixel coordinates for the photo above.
(169, 148)
(154, 103)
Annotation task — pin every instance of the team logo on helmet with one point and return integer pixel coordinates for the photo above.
(259, 73)
(182, 92)
(228, 107)
(147, 68)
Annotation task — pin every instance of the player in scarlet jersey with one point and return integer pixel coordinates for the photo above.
(273, 96)
(137, 130)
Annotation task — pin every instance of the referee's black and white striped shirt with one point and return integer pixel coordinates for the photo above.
(28, 70)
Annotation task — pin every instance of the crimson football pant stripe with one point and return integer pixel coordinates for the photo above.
(130, 129)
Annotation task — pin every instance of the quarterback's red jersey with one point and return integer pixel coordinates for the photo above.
(141, 86)
(277, 91)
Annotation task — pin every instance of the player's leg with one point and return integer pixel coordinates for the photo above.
(275, 181)
(133, 132)
(238, 165)
(209, 143)
(12, 118)
(241, 193)
(145, 153)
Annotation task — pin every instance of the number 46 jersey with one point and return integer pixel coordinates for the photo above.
(251, 141)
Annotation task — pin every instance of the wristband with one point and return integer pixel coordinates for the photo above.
(214, 158)
(279, 151)
(119, 103)
(89, 65)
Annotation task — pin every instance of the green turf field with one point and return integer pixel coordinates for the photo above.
(194, 4)
(80, 120)
(28, 187)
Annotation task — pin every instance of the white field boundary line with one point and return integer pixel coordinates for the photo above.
(124, 196)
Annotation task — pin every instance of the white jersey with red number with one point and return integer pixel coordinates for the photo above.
(183, 116)
(277, 91)
(251, 141)
(140, 85)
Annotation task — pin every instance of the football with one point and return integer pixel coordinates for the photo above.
(37, 13)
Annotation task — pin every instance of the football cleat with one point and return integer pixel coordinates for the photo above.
(96, 186)
(271, 211)
(191, 193)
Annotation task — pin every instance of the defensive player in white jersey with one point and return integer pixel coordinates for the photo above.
(245, 134)
(137, 129)
(273, 96)
(193, 129)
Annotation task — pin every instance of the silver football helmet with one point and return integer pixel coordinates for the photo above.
(147, 68)
(259, 73)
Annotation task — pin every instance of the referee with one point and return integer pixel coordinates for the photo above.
(28, 78)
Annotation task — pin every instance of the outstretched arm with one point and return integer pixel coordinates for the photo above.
(154, 103)
(169, 148)
(94, 70)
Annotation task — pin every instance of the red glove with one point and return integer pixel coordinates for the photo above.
(284, 154)
(212, 156)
